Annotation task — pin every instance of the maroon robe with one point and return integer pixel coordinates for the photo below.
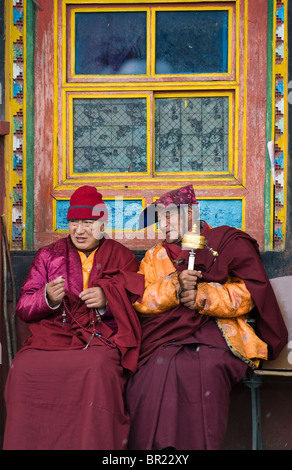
(186, 369)
(61, 394)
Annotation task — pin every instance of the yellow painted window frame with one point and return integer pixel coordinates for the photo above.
(150, 46)
(63, 179)
(203, 94)
(68, 137)
(71, 66)
(67, 163)
(225, 76)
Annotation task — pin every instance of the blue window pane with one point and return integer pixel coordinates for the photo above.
(110, 43)
(191, 42)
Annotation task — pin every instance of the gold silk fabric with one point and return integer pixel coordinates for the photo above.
(229, 303)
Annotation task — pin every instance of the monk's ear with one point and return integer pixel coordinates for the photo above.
(103, 226)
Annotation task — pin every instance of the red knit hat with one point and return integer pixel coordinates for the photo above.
(86, 203)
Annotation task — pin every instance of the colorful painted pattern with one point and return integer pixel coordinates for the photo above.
(280, 62)
(17, 110)
(280, 116)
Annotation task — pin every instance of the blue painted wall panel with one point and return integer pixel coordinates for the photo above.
(124, 214)
(218, 212)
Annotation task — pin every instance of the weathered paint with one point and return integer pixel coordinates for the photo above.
(246, 181)
(44, 116)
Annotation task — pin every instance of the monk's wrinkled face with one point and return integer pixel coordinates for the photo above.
(85, 234)
(174, 223)
(169, 223)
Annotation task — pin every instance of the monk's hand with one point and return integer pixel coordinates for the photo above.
(94, 297)
(55, 291)
(188, 298)
(188, 279)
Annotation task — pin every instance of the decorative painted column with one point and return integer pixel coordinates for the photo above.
(17, 35)
(281, 121)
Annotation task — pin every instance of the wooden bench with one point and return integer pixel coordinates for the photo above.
(281, 367)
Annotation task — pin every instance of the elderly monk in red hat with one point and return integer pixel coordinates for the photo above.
(196, 342)
(65, 388)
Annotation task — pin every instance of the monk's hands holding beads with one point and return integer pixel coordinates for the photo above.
(55, 291)
(94, 297)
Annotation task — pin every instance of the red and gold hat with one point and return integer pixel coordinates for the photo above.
(176, 197)
(86, 203)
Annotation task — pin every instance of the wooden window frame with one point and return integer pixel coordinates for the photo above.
(68, 46)
(193, 84)
(248, 87)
